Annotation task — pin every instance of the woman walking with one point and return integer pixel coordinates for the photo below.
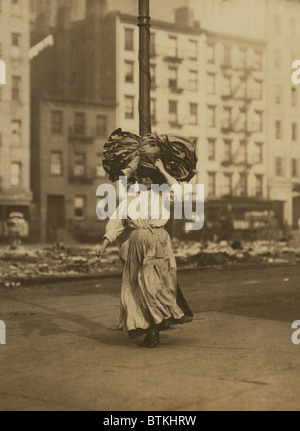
(149, 281)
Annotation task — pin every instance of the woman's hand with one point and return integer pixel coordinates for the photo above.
(160, 166)
(100, 250)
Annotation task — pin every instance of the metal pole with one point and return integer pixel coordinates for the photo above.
(144, 23)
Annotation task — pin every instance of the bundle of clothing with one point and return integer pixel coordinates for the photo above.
(126, 154)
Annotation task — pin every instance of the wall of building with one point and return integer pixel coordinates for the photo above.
(14, 110)
(67, 184)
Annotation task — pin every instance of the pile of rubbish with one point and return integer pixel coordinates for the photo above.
(48, 263)
(54, 262)
(222, 253)
(126, 154)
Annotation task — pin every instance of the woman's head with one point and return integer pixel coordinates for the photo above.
(148, 176)
(146, 181)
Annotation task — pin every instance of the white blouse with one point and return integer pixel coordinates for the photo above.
(148, 209)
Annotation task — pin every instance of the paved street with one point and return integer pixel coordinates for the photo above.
(236, 355)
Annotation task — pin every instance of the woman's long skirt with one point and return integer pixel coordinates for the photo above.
(149, 282)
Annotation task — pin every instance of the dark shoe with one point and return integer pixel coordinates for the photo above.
(184, 319)
(152, 339)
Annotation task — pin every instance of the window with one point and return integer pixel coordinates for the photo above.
(153, 110)
(193, 113)
(100, 172)
(152, 45)
(129, 71)
(173, 111)
(294, 96)
(242, 58)
(241, 89)
(129, 107)
(211, 183)
(16, 126)
(15, 39)
(227, 61)
(278, 129)
(242, 120)
(257, 89)
(129, 39)
(227, 184)
(79, 207)
(243, 183)
(16, 88)
(257, 123)
(172, 77)
(293, 27)
(258, 185)
(295, 171)
(277, 24)
(193, 49)
(56, 167)
(226, 121)
(211, 83)
(294, 131)
(15, 174)
(79, 164)
(211, 150)
(193, 80)
(228, 151)
(172, 48)
(56, 121)
(153, 75)
(226, 90)
(257, 61)
(101, 125)
(277, 58)
(258, 157)
(210, 52)
(279, 168)
(242, 152)
(211, 116)
(80, 123)
(278, 92)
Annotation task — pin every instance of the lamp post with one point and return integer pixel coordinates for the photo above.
(144, 23)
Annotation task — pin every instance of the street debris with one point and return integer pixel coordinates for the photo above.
(59, 261)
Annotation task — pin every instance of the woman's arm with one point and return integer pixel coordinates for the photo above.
(113, 230)
(102, 248)
(176, 189)
(169, 179)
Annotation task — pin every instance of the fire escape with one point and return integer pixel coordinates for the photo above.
(242, 93)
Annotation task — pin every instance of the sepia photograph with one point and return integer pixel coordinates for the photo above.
(149, 208)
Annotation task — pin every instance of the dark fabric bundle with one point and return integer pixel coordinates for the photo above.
(178, 156)
(121, 152)
(126, 153)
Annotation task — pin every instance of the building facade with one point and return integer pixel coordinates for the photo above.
(15, 194)
(67, 145)
(283, 112)
(217, 84)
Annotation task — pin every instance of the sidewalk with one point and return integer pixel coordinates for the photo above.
(60, 355)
